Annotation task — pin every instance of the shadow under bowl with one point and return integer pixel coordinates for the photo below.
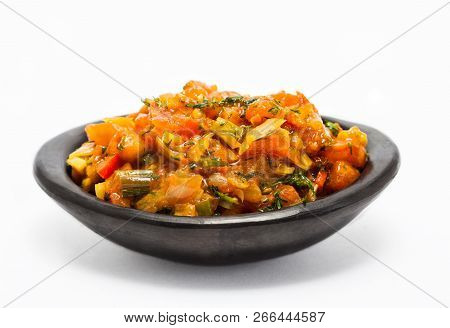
(216, 240)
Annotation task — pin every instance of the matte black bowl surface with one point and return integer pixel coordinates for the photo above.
(216, 240)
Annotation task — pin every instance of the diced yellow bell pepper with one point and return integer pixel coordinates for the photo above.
(86, 184)
(77, 163)
(100, 190)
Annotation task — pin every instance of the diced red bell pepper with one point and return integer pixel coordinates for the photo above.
(320, 179)
(107, 167)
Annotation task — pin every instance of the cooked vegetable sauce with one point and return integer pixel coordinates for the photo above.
(208, 152)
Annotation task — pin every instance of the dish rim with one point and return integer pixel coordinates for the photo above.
(50, 173)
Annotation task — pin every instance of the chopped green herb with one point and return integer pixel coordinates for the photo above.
(159, 102)
(148, 102)
(266, 187)
(231, 100)
(223, 197)
(148, 159)
(349, 145)
(248, 175)
(228, 101)
(277, 203)
(334, 127)
(203, 104)
(274, 110)
(212, 162)
(121, 144)
(250, 101)
(297, 180)
(229, 132)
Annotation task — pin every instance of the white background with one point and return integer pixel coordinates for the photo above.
(252, 48)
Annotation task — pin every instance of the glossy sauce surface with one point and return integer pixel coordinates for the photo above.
(208, 152)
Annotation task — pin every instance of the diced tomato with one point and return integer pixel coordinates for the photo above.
(132, 148)
(222, 169)
(261, 110)
(212, 113)
(289, 195)
(107, 167)
(342, 175)
(162, 122)
(235, 153)
(143, 122)
(346, 151)
(354, 135)
(188, 127)
(287, 99)
(196, 89)
(295, 120)
(127, 144)
(306, 116)
(179, 124)
(232, 114)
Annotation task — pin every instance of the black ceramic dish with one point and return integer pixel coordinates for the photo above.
(216, 240)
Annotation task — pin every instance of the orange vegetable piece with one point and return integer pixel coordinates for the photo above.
(127, 144)
(179, 124)
(261, 110)
(235, 153)
(131, 148)
(126, 122)
(342, 174)
(142, 122)
(289, 195)
(346, 151)
(353, 135)
(288, 99)
(100, 133)
(197, 90)
(187, 127)
(232, 114)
